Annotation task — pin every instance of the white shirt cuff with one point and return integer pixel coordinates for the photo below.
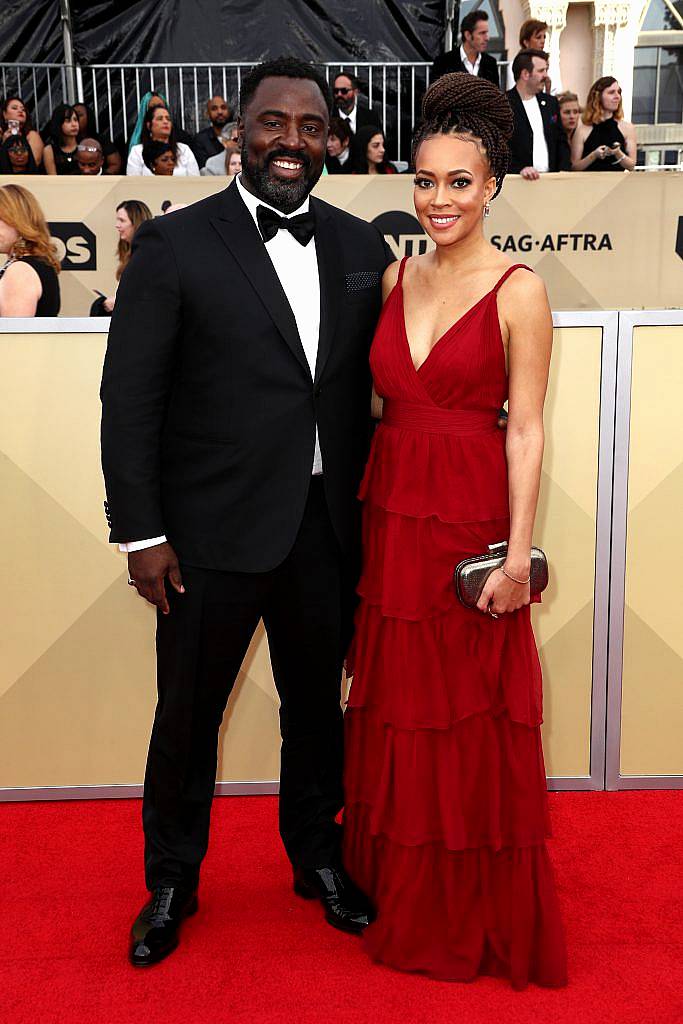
(139, 545)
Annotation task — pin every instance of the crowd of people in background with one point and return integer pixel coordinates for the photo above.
(552, 133)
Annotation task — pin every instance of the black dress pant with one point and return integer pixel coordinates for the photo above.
(306, 605)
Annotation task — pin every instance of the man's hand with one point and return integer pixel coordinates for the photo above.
(530, 173)
(149, 568)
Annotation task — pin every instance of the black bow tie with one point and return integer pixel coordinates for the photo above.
(270, 222)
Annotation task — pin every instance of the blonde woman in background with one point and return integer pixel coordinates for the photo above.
(603, 140)
(130, 214)
(570, 112)
(28, 279)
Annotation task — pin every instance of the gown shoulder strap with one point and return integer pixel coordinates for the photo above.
(399, 279)
(511, 270)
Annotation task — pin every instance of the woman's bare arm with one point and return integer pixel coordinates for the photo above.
(526, 311)
(580, 135)
(20, 290)
(49, 160)
(36, 143)
(626, 156)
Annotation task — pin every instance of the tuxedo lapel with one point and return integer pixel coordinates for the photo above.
(523, 124)
(237, 230)
(332, 282)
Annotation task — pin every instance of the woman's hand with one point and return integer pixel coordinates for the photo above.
(109, 303)
(501, 594)
(602, 152)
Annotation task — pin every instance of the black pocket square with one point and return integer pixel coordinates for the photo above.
(362, 279)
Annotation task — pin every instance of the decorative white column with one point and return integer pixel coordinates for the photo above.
(616, 25)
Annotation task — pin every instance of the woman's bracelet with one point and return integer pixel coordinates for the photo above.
(514, 578)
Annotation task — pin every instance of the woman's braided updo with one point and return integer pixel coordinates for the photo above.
(461, 103)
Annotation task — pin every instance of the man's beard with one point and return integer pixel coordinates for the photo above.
(284, 195)
(219, 122)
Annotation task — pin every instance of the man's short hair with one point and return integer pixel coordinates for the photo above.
(355, 82)
(283, 67)
(90, 146)
(219, 96)
(524, 61)
(470, 20)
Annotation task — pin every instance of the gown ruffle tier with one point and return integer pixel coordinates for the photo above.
(445, 817)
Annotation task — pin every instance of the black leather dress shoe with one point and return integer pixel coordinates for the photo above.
(346, 907)
(155, 932)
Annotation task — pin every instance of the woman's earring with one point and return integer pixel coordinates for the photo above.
(487, 209)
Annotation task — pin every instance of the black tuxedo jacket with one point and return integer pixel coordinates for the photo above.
(522, 141)
(208, 405)
(205, 145)
(452, 61)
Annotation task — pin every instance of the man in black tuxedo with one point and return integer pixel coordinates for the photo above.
(539, 143)
(345, 91)
(234, 436)
(471, 55)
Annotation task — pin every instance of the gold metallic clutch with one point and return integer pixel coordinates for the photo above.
(471, 574)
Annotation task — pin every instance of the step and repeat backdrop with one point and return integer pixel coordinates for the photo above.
(600, 241)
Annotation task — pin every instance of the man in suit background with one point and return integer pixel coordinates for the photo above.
(539, 143)
(345, 92)
(471, 55)
(234, 436)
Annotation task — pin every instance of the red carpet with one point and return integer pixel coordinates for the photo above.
(255, 953)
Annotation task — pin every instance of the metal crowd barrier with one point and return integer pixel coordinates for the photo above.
(114, 91)
(42, 86)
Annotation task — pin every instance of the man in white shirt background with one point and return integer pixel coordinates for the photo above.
(471, 55)
(538, 143)
(345, 93)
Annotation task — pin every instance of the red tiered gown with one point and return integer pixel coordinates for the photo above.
(445, 818)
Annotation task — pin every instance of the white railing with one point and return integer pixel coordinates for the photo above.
(394, 90)
(660, 156)
(42, 86)
(114, 91)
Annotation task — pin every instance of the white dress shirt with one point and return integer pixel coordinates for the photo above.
(296, 266)
(470, 68)
(186, 163)
(350, 118)
(541, 161)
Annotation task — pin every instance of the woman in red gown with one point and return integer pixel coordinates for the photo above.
(446, 818)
